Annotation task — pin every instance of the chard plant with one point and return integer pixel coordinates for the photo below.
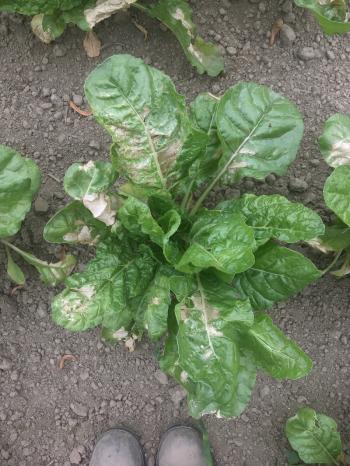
(51, 17)
(200, 280)
(334, 144)
(332, 15)
(20, 180)
(315, 438)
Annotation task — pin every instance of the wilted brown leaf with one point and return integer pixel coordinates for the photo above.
(92, 45)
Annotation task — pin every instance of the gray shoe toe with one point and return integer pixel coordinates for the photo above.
(117, 447)
(181, 446)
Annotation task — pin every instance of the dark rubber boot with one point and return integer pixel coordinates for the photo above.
(117, 447)
(181, 446)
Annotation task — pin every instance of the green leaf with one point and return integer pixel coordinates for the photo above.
(74, 224)
(200, 154)
(345, 267)
(20, 180)
(50, 273)
(177, 16)
(221, 240)
(137, 218)
(314, 436)
(277, 274)
(331, 14)
(336, 238)
(335, 140)
(336, 193)
(202, 354)
(13, 270)
(152, 310)
(102, 293)
(140, 108)
(260, 130)
(90, 183)
(276, 217)
(274, 352)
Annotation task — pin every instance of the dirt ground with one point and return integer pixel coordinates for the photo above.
(51, 416)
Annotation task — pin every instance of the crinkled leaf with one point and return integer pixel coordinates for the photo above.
(336, 193)
(198, 159)
(137, 218)
(203, 355)
(13, 270)
(279, 356)
(104, 9)
(140, 108)
(102, 293)
(153, 306)
(335, 140)
(177, 16)
(314, 436)
(90, 183)
(74, 224)
(276, 217)
(19, 182)
(51, 273)
(332, 15)
(221, 240)
(277, 274)
(260, 130)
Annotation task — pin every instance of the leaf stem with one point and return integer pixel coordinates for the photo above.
(332, 264)
(187, 196)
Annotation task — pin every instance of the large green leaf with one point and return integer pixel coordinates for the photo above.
(314, 436)
(336, 192)
(90, 183)
(102, 293)
(335, 140)
(51, 273)
(276, 217)
(203, 355)
(260, 130)
(19, 182)
(277, 274)
(137, 218)
(275, 353)
(177, 16)
(74, 224)
(221, 240)
(146, 117)
(331, 14)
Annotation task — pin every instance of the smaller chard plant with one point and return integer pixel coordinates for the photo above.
(315, 439)
(334, 144)
(20, 180)
(332, 15)
(51, 17)
(199, 280)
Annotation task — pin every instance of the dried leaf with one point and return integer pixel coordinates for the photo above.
(92, 45)
(81, 112)
(141, 28)
(275, 30)
(64, 358)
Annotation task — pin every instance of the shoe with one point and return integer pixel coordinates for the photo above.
(181, 446)
(117, 447)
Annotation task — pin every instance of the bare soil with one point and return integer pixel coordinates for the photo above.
(51, 416)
